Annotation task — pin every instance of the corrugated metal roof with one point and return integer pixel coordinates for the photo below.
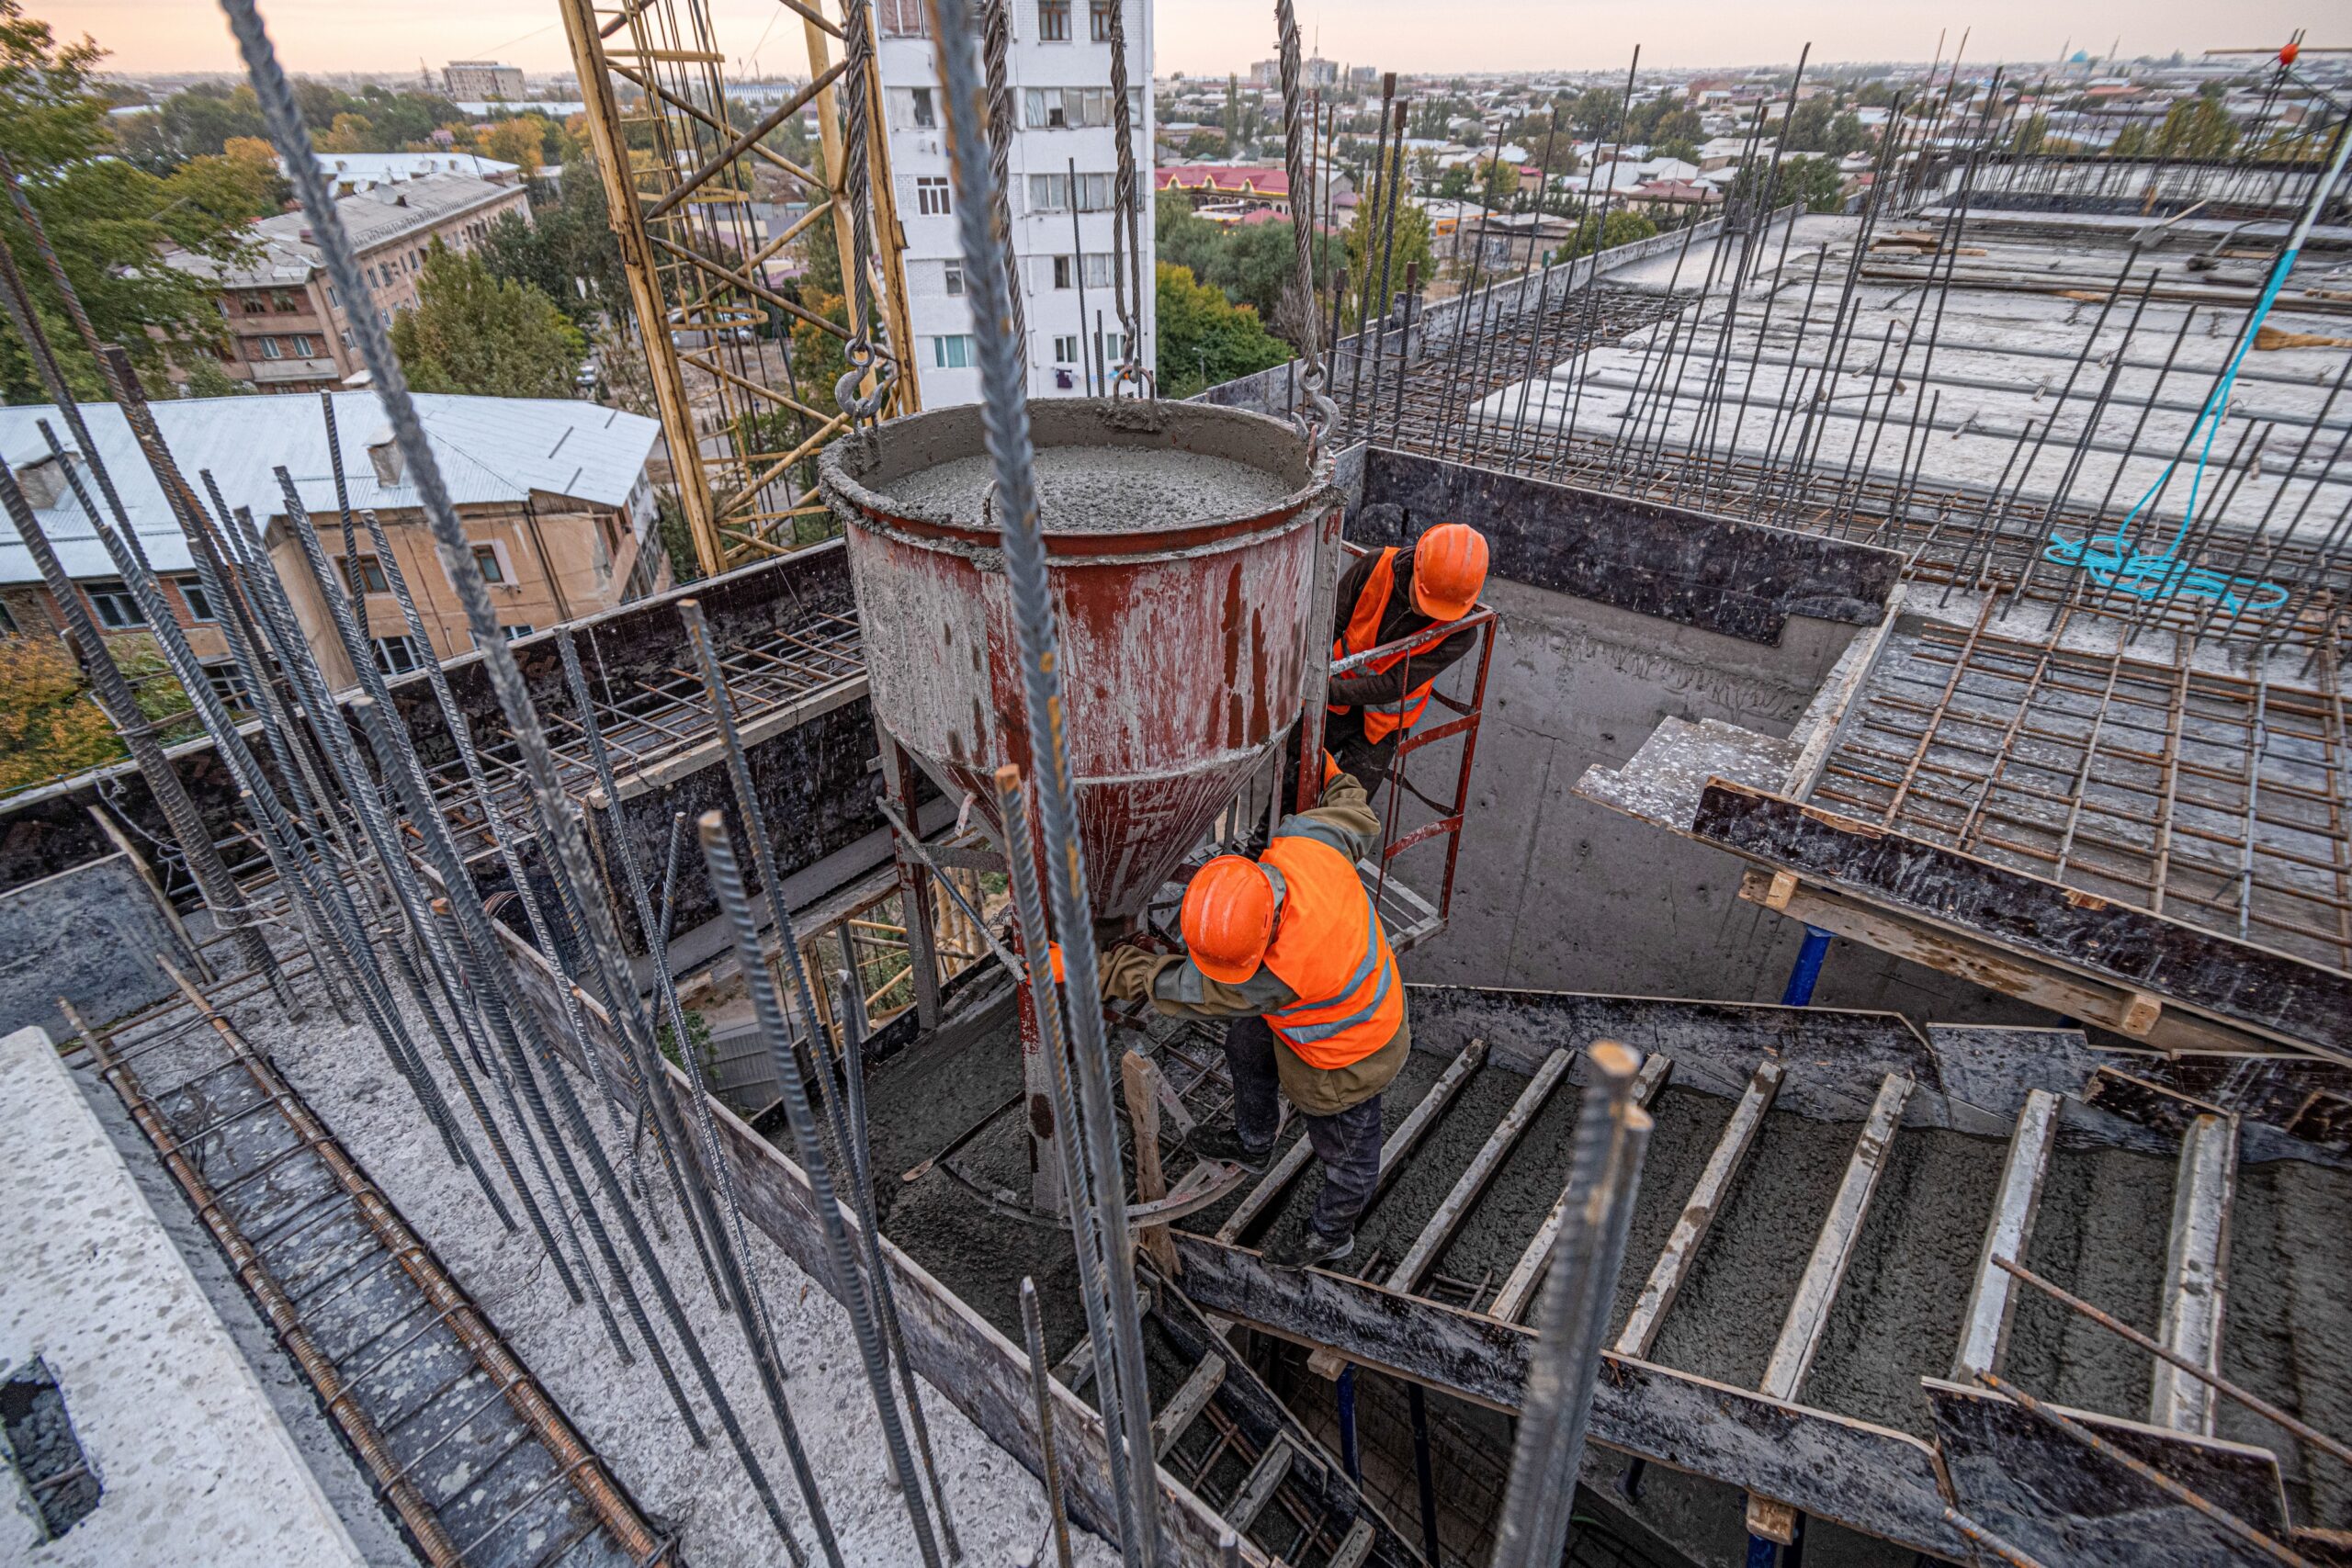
(490, 450)
(373, 218)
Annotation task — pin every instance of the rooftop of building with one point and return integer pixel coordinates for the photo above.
(284, 252)
(491, 450)
(356, 171)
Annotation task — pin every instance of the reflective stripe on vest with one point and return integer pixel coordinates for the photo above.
(1330, 948)
(1380, 720)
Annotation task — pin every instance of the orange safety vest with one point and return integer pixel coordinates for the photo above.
(1380, 720)
(1330, 949)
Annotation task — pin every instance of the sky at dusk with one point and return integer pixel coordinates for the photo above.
(1212, 36)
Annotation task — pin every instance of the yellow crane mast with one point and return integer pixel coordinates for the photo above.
(682, 179)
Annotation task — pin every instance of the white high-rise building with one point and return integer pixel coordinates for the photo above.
(1063, 168)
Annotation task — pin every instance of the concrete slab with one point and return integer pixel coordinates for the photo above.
(197, 1467)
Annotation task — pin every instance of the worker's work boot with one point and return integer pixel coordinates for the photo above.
(1308, 1247)
(1223, 1143)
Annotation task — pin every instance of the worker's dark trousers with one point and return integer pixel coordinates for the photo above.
(1347, 1144)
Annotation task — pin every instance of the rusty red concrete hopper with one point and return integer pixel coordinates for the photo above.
(1181, 538)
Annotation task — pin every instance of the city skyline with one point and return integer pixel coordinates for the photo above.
(1199, 37)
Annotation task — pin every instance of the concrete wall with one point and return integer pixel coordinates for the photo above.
(1556, 892)
(90, 934)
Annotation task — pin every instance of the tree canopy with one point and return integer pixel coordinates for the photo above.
(1205, 338)
(111, 221)
(1367, 248)
(472, 331)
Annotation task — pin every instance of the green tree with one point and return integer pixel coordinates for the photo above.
(2196, 128)
(112, 220)
(565, 243)
(519, 141)
(1595, 111)
(1205, 338)
(1617, 229)
(203, 378)
(473, 332)
(1205, 143)
(50, 726)
(1366, 245)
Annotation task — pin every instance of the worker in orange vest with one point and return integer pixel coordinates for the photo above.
(1387, 596)
(1288, 950)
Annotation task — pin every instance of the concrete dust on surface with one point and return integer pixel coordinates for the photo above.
(1101, 490)
(1686, 1126)
(1897, 1316)
(2099, 1233)
(624, 1412)
(2287, 1328)
(1738, 1290)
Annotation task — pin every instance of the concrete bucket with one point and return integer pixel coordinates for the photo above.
(1181, 541)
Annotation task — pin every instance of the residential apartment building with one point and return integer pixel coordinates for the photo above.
(1063, 168)
(463, 79)
(352, 172)
(288, 331)
(554, 495)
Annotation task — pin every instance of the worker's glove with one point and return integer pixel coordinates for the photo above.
(1126, 972)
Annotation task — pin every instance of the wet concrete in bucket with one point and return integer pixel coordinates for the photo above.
(1102, 489)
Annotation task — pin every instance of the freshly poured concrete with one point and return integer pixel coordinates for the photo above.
(1101, 490)
(195, 1467)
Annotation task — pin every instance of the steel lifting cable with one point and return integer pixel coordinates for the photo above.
(1317, 411)
(2114, 559)
(1126, 264)
(857, 34)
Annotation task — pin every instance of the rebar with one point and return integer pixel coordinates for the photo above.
(1005, 422)
(1572, 1319)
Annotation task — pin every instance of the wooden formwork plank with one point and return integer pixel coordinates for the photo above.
(1834, 1248)
(1189, 1402)
(1265, 1476)
(1473, 1181)
(1985, 1331)
(1518, 1291)
(1707, 1196)
(2197, 1268)
(1878, 1481)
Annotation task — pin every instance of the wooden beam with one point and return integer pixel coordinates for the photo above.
(1139, 1077)
(1265, 1476)
(1510, 1302)
(1985, 1331)
(1834, 1248)
(1998, 969)
(1424, 1254)
(2053, 1498)
(1400, 1143)
(1707, 1196)
(1357, 1548)
(1880, 1481)
(1075, 1371)
(1191, 1400)
(2197, 1268)
(2257, 989)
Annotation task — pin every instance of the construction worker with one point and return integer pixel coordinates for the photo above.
(1287, 948)
(1387, 596)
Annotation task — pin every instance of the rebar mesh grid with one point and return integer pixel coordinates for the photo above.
(645, 721)
(2210, 793)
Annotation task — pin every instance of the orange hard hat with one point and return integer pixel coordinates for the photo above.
(1229, 917)
(1449, 569)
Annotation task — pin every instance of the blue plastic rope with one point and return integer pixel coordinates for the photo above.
(2114, 560)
